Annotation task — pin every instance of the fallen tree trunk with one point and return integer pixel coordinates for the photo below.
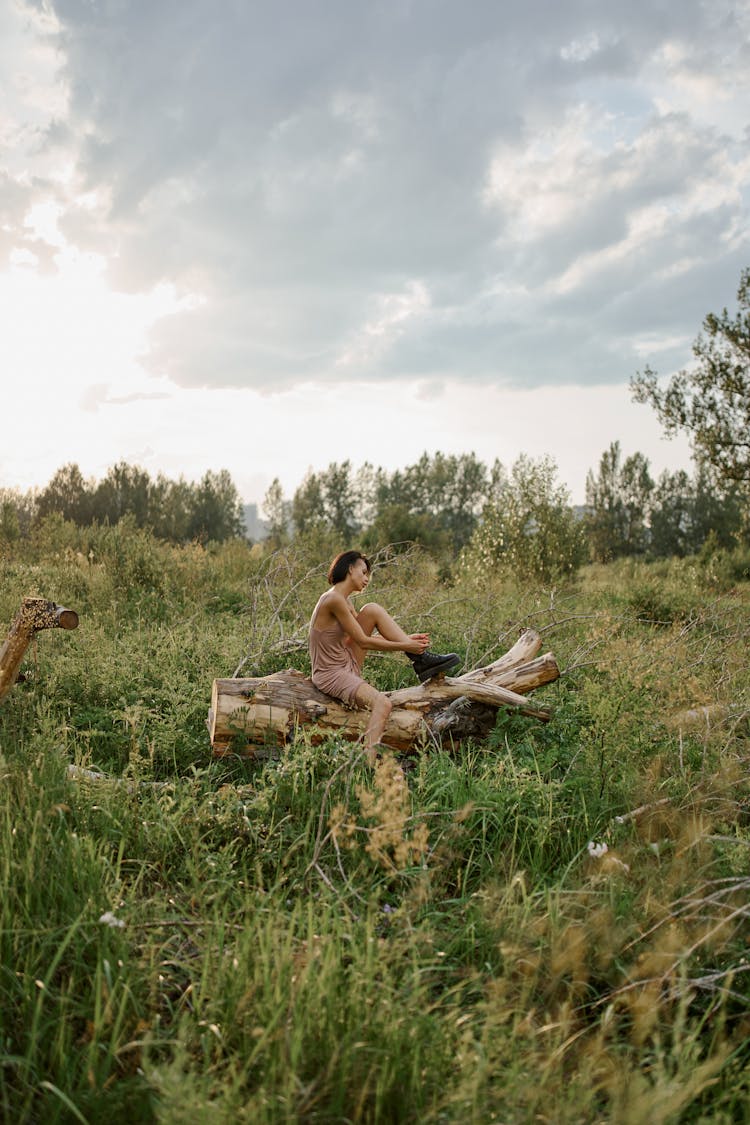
(34, 615)
(254, 717)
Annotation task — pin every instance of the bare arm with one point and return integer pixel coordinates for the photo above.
(339, 608)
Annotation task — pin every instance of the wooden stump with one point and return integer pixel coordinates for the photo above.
(34, 615)
(253, 716)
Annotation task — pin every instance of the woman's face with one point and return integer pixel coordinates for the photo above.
(360, 574)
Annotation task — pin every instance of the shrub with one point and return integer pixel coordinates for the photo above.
(529, 530)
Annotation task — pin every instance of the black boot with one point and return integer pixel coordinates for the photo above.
(429, 664)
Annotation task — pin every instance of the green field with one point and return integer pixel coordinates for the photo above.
(302, 940)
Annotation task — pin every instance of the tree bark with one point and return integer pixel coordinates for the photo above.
(35, 614)
(255, 717)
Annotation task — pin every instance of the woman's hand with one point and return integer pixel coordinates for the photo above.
(419, 642)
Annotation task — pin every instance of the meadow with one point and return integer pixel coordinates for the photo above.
(550, 926)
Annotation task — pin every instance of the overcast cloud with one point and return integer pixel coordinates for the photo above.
(527, 195)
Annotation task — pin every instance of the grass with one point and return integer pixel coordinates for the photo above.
(188, 939)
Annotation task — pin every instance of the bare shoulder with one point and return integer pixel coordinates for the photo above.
(329, 608)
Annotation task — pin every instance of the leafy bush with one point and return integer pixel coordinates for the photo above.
(529, 529)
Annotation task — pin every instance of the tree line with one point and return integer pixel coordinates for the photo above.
(456, 506)
(177, 511)
(461, 509)
(446, 503)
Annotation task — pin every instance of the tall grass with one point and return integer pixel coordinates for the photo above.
(183, 939)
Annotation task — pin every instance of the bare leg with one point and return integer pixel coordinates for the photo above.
(371, 617)
(380, 708)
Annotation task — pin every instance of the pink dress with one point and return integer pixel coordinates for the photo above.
(334, 667)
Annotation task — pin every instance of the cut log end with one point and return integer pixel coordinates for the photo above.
(34, 615)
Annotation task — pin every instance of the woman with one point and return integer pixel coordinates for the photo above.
(340, 638)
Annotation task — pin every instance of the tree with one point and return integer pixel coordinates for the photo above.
(369, 484)
(672, 510)
(171, 508)
(529, 528)
(216, 509)
(69, 495)
(307, 504)
(17, 512)
(276, 511)
(457, 492)
(10, 529)
(125, 489)
(711, 401)
(618, 503)
(339, 499)
(718, 512)
(436, 501)
(397, 524)
(688, 511)
(327, 500)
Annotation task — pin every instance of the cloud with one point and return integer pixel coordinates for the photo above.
(522, 196)
(100, 394)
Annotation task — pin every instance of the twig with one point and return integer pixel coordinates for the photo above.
(634, 813)
(181, 922)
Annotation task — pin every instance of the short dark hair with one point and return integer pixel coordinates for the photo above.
(339, 568)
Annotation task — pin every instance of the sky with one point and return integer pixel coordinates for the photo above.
(264, 237)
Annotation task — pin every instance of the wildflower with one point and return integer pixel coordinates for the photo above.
(612, 862)
(109, 919)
